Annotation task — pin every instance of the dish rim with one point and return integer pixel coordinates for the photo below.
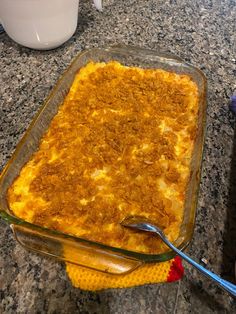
(145, 257)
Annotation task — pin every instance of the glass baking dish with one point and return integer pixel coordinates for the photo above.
(77, 250)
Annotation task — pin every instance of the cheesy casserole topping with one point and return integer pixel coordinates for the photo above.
(120, 145)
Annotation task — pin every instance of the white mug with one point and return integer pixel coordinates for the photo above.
(40, 24)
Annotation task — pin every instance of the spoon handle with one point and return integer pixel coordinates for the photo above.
(226, 285)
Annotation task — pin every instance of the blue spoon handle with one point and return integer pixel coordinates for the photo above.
(226, 285)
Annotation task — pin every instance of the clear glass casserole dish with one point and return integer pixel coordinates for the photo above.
(77, 250)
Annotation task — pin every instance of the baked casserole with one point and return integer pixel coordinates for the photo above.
(120, 145)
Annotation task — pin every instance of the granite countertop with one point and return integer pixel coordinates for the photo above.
(201, 32)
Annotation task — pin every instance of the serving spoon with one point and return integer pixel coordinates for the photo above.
(142, 224)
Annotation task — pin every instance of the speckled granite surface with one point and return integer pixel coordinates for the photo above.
(201, 32)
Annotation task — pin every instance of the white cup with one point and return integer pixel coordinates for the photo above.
(39, 24)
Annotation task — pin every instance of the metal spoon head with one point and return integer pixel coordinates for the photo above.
(140, 223)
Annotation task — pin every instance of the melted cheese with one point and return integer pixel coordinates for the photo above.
(120, 145)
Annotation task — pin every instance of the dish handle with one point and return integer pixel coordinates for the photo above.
(79, 252)
(158, 53)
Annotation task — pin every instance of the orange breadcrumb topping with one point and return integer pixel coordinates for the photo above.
(120, 144)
